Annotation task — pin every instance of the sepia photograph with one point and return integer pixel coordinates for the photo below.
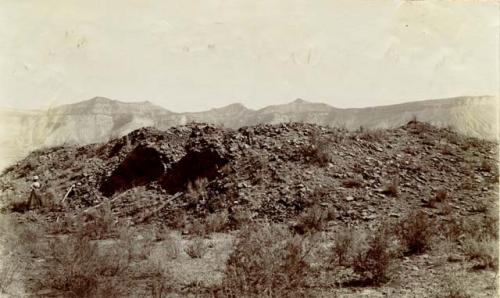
(249, 148)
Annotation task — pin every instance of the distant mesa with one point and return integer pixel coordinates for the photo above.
(300, 101)
(100, 119)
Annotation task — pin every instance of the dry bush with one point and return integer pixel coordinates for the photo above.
(391, 188)
(345, 244)
(196, 193)
(239, 218)
(373, 261)
(267, 261)
(318, 150)
(441, 195)
(312, 220)
(409, 150)
(446, 150)
(216, 222)
(213, 223)
(484, 251)
(196, 227)
(490, 223)
(477, 236)
(372, 135)
(417, 127)
(416, 232)
(197, 248)
(351, 183)
(485, 166)
(78, 269)
(178, 220)
(98, 224)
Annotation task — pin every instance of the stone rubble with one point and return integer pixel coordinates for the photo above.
(268, 170)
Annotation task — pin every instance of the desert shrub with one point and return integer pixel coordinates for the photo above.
(441, 195)
(391, 188)
(417, 127)
(312, 220)
(345, 244)
(373, 261)
(485, 166)
(212, 223)
(267, 261)
(372, 135)
(484, 251)
(415, 232)
(18, 206)
(178, 220)
(351, 183)
(197, 248)
(446, 150)
(239, 218)
(409, 150)
(196, 193)
(97, 223)
(78, 269)
(490, 223)
(317, 151)
(216, 222)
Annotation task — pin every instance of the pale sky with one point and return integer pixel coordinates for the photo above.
(195, 55)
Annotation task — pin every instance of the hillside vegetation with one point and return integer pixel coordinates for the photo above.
(288, 209)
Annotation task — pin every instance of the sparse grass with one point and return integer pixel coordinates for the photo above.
(98, 223)
(477, 238)
(452, 287)
(8, 269)
(197, 248)
(162, 278)
(415, 232)
(484, 251)
(372, 135)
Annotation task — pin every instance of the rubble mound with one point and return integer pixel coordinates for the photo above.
(271, 171)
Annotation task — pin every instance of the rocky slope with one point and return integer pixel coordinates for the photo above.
(100, 119)
(271, 171)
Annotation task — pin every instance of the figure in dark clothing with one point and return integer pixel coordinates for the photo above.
(35, 197)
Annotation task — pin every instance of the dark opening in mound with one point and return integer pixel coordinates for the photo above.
(194, 165)
(141, 166)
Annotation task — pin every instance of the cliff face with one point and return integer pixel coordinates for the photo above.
(100, 119)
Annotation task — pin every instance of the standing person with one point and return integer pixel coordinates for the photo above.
(35, 198)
